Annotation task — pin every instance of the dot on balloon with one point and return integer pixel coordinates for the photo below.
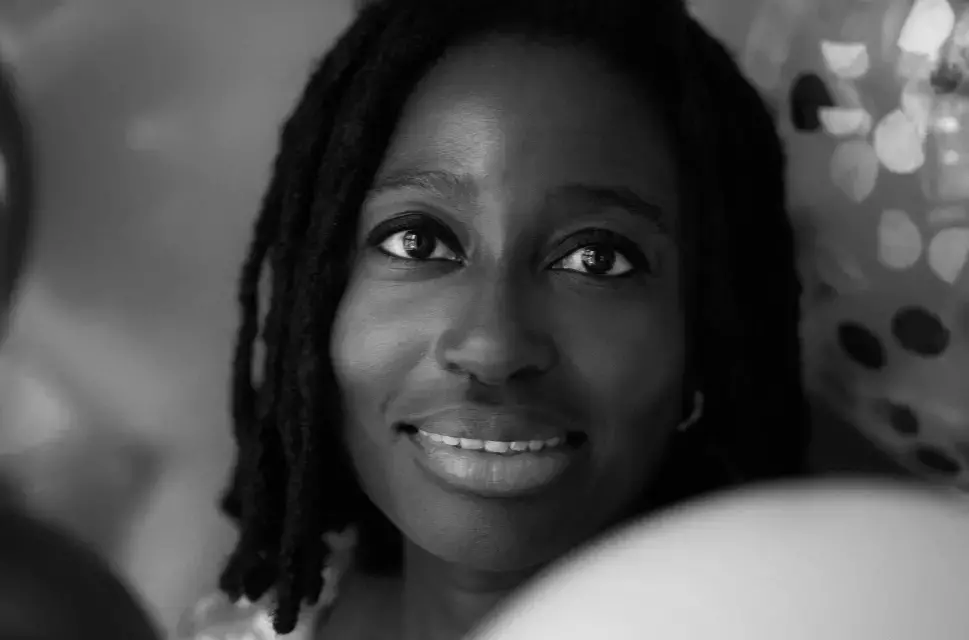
(902, 419)
(841, 121)
(946, 78)
(854, 169)
(898, 143)
(920, 331)
(948, 252)
(846, 59)
(937, 461)
(899, 240)
(861, 345)
(928, 26)
(808, 94)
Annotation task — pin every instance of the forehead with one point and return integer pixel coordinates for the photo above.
(511, 111)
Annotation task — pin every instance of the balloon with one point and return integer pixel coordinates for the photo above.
(15, 189)
(155, 126)
(873, 104)
(51, 587)
(838, 561)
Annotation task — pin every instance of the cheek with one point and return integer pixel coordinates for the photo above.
(629, 367)
(626, 358)
(380, 337)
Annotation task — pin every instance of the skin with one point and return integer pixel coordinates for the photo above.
(510, 314)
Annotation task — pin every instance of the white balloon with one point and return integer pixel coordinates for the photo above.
(833, 561)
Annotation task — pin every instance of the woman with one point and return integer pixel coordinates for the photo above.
(518, 295)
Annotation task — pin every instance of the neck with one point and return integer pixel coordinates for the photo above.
(441, 601)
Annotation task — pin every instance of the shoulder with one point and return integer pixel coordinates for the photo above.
(216, 617)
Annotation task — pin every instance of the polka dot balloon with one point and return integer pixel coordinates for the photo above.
(873, 103)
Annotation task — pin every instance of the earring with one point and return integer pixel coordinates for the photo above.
(695, 415)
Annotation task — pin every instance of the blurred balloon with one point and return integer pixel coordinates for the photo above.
(839, 561)
(16, 189)
(873, 103)
(52, 588)
(155, 125)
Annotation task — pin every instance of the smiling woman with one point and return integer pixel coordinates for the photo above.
(518, 296)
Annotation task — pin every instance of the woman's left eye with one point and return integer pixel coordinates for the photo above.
(417, 245)
(598, 260)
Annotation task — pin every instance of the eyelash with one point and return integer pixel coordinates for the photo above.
(401, 225)
(623, 249)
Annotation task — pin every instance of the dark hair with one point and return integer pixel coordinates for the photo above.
(293, 482)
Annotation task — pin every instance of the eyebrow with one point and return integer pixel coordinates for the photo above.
(616, 197)
(447, 185)
(444, 185)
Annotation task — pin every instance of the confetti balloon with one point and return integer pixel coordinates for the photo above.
(841, 561)
(873, 103)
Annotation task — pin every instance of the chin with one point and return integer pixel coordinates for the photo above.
(496, 535)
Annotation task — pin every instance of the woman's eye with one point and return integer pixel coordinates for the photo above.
(418, 245)
(597, 260)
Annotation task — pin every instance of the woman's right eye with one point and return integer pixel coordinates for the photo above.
(417, 245)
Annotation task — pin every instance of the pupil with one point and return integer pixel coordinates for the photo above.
(417, 245)
(598, 260)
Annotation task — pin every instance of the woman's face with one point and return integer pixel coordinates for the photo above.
(510, 348)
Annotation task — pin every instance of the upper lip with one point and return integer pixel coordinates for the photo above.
(503, 424)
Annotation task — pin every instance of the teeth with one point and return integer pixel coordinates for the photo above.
(496, 447)
(493, 446)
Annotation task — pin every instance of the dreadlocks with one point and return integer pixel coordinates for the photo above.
(292, 482)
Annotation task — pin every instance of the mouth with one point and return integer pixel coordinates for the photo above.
(496, 468)
(571, 439)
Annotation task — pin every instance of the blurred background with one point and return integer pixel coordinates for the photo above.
(153, 125)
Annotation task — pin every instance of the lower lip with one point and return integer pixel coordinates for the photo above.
(494, 475)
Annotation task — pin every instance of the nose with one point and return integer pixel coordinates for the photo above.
(494, 339)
